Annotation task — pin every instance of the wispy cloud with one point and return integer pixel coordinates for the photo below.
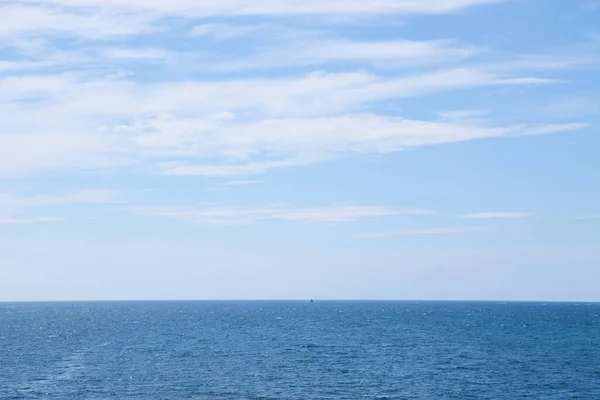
(462, 114)
(20, 19)
(88, 196)
(224, 31)
(8, 66)
(322, 50)
(208, 8)
(19, 221)
(101, 19)
(251, 168)
(12, 207)
(428, 231)
(554, 128)
(126, 122)
(242, 183)
(497, 215)
(136, 54)
(575, 58)
(298, 96)
(225, 216)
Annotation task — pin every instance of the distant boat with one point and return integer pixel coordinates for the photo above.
(311, 300)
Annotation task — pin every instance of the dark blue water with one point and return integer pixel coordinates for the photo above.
(299, 350)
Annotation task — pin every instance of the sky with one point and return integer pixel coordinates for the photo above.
(340, 149)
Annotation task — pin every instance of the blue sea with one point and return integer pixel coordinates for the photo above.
(299, 350)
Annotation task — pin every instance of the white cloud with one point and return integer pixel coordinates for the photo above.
(6, 66)
(311, 140)
(19, 20)
(497, 215)
(250, 168)
(246, 125)
(294, 47)
(109, 18)
(96, 115)
(26, 153)
(321, 50)
(135, 54)
(400, 49)
(67, 96)
(428, 231)
(303, 141)
(208, 8)
(225, 216)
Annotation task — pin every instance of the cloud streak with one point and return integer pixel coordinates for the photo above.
(497, 215)
(427, 231)
(21, 20)
(20, 221)
(322, 50)
(207, 8)
(94, 19)
(12, 207)
(248, 125)
(242, 183)
(227, 216)
(296, 97)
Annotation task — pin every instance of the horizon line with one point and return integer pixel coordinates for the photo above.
(298, 300)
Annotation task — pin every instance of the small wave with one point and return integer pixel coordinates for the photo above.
(310, 346)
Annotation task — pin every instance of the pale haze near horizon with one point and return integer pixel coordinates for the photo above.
(442, 150)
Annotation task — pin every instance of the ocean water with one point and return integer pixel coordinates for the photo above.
(299, 350)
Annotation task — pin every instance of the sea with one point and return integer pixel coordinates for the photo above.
(298, 350)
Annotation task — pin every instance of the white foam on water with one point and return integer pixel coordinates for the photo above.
(72, 367)
(65, 370)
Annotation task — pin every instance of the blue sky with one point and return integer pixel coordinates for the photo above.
(391, 149)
